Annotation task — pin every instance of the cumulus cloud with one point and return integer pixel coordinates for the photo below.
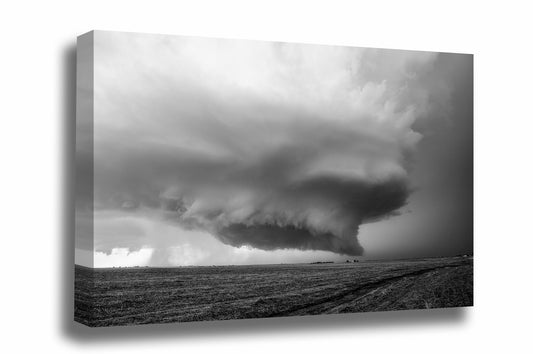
(264, 145)
(122, 257)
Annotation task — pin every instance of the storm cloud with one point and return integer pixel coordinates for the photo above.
(267, 145)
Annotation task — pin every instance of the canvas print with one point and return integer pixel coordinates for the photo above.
(222, 179)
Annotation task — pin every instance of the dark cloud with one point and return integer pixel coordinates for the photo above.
(273, 237)
(275, 201)
(267, 145)
(351, 203)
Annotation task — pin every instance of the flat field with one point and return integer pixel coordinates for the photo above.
(129, 296)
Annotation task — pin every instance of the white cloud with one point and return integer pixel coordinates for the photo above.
(122, 257)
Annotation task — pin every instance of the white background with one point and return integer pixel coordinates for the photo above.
(36, 104)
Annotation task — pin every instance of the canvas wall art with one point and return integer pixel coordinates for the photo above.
(222, 179)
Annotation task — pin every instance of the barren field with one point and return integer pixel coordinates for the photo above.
(128, 296)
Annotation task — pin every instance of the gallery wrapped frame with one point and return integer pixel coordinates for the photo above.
(226, 179)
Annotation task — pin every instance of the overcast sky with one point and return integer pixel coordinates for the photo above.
(210, 151)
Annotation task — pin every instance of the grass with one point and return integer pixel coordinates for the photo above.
(129, 296)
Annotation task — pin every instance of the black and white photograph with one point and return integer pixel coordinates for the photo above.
(231, 179)
(226, 177)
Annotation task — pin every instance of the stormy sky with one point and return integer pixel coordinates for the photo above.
(212, 151)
